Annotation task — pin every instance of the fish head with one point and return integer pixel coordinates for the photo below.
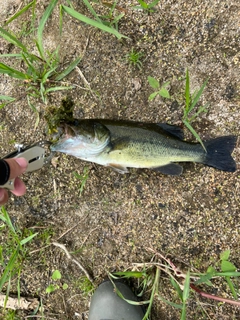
(82, 138)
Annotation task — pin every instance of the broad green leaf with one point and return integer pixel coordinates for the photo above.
(65, 286)
(164, 93)
(56, 275)
(225, 255)
(152, 96)
(143, 4)
(51, 288)
(91, 22)
(210, 269)
(227, 266)
(154, 83)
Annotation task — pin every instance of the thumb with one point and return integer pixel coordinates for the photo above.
(17, 166)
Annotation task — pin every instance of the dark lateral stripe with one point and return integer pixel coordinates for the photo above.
(4, 172)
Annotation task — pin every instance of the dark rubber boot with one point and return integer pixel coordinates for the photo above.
(107, 305)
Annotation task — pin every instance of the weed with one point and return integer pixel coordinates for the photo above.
(190, 103)
(12, 252)
(160, 90)
(85, 285)
(54, 286)
(98, 22)
(185, 284)
(40, 72)
(134, 58)
(110, 19)
(148, 8)
(83, 178)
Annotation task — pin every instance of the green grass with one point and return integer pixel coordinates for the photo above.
(97, 22)
(191, 110)
(146, 7)
(85, 285)
(41, 74)
(83, 179)
(186, 285)
(13, 252)
(190, 104)
(134, 58)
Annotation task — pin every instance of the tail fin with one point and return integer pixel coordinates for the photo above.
(219, 153)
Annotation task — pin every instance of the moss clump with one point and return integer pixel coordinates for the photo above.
(54, 116)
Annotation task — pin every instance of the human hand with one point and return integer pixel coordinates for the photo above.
(17, 166)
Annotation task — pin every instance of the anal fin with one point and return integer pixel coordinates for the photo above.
(172, 169)
(118, 168)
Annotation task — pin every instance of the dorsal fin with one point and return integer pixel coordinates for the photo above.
(173, 130)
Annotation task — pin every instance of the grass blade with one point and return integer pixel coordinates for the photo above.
(24, 9)
(8, 268)
(10, 38)
(13, 72)
(154, 3)
(175, 305)
(69, 69)
(5, 218)
(187, 94)
(91, 22)
(58, 89)
(42, 23)
(7, 98)
(190, 128)
(186, 288)
(90, 8)
(198, 95)
(9, 55)
(24, 241)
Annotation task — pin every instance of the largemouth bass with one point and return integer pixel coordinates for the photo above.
(125, 144)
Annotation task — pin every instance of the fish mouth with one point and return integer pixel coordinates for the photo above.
(64, 131)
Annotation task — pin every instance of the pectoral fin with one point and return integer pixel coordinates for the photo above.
(172, 169)
(118, 168)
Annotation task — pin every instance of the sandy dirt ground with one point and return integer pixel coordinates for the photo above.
(119, 219)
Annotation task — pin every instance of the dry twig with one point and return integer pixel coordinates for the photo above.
(62, 246)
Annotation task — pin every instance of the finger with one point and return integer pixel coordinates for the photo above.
(19, 187)
(3, 196)
(17, 166)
